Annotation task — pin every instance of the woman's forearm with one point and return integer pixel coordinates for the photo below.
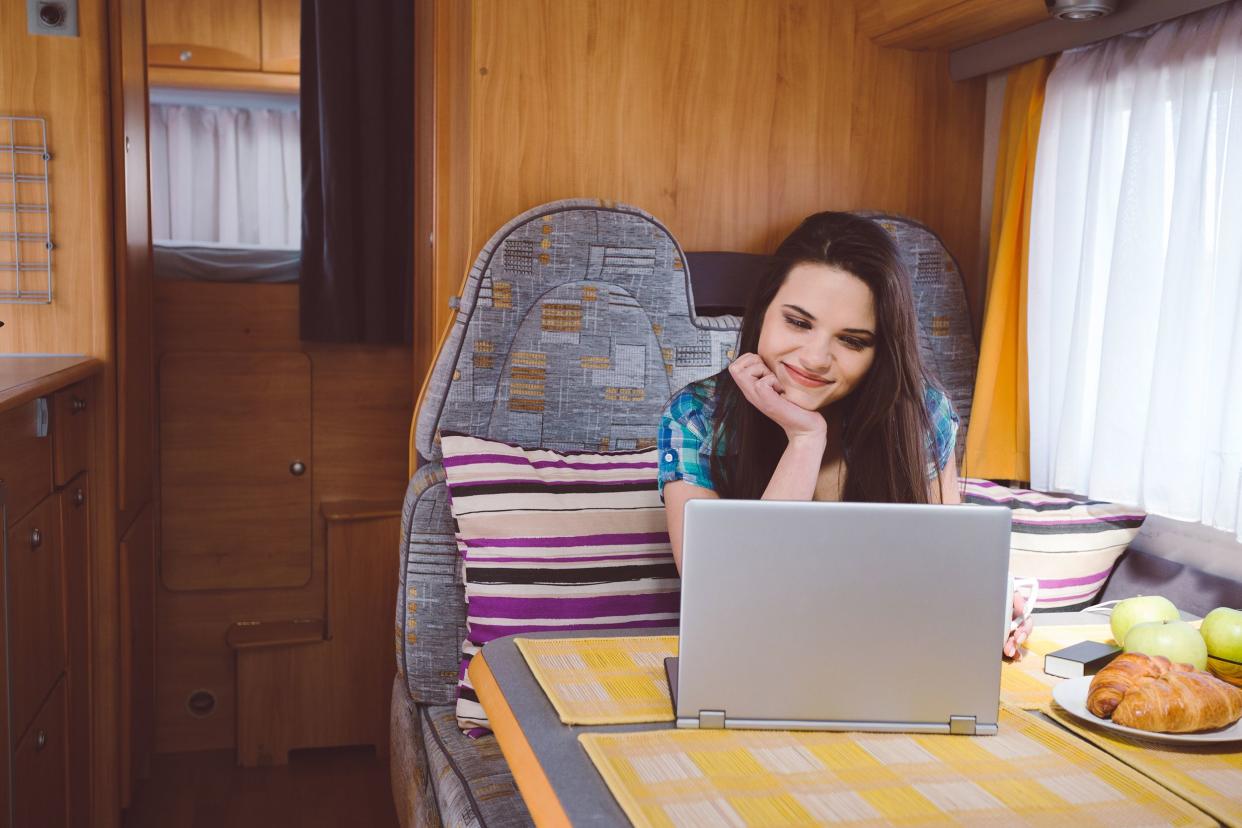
(798, 470)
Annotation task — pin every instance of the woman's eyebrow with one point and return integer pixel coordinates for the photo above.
(863, 331)
(802, 311)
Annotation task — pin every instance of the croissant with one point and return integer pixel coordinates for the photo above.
(1180, 702)
(1121, 675)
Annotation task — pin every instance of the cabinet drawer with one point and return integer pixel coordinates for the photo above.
(36, 609)
(39, 770)
(71, 423)
(25, 458)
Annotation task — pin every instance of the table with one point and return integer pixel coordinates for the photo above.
(556, 777)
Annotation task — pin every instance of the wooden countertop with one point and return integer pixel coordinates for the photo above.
(24, 378)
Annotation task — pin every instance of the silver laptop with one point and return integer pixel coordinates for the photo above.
(841, 616)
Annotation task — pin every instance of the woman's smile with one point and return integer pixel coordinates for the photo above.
(803, 378)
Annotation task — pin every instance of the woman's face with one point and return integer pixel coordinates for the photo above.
(818, 334)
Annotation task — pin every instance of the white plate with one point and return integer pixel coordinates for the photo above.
(1071, 694)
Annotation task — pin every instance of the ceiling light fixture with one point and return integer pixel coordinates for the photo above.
(1077, 10)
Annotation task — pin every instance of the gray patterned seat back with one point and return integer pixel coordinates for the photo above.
(575, 326)
(946, 338)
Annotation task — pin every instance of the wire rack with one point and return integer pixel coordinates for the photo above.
(25, 212)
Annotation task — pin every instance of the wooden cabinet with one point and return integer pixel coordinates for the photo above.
(35, 581)
(243, 35)
(205, 34)
(282, 36)
(46, 451)
(235, 470)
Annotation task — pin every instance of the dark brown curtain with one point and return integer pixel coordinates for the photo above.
(357, 104)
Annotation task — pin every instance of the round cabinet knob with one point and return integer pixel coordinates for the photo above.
(36, 538)
(297, 468)
(40, 739)
(185, 56)
(79, 497)
(79, 405)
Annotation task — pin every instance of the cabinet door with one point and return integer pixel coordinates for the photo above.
(282, 36)
(39, 777)
(207, 34)
(36, 610)
(235, 470)
(75, 511)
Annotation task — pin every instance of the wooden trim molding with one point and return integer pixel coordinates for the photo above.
(223, 79)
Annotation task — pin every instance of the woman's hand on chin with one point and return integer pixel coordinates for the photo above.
(762, 390)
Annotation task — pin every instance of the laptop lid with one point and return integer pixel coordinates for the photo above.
(842, 616)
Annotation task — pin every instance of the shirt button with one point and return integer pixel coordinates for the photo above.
(668, 457)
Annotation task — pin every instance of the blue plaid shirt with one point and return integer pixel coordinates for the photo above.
(686, 439)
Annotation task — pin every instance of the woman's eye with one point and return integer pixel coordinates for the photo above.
(798, 323)
(853, 344)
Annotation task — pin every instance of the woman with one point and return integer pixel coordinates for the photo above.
(828, 398)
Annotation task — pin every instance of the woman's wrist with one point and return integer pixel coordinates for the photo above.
(817, 439)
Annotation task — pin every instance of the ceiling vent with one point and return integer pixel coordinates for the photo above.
(1080, 9)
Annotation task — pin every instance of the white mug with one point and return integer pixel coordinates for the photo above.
(1030, 588)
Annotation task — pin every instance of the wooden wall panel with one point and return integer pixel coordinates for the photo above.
(360, 407)
(945, 24)
(66, 81)
(729, 120)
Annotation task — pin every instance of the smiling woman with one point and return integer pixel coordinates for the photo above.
(829, 398)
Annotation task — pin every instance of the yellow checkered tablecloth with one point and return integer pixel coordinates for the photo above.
(1031, 773)
(603, 680)
(1209, 775)
(1024, 683)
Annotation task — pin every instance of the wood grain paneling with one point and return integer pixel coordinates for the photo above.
(329, 692)
(138, 626)
(223, 79)
(135, 353)
(35, 576)
(282, 35)
(65, 80)
(76, 503)
(729, 120)
(216, 34)
(945, 24)
(26, 461)
(39, 762)
(234, 514)
(361, 407)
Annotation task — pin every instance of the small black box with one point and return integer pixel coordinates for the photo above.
(1086, 658)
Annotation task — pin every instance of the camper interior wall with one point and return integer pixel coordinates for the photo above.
(728, 120)
(65, 80)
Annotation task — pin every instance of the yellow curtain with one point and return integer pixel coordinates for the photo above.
(998, 441)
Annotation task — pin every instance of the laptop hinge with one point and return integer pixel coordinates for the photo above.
(962, 725)
(711, 719)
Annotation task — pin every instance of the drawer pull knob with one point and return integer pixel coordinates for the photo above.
(297, 468)
(41, 739)
(79, 497)
(79, 405)
(185, 56)
(36, 538)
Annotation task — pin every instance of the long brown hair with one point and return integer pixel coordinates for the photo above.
(886, 424)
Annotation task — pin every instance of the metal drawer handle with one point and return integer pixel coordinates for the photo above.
(36, 538)
(186, 55)
(41, 739)
(79, 405)
(297, 468)
(79, 497)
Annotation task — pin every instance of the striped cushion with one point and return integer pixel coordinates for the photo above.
(1069, 543)
(556, 541)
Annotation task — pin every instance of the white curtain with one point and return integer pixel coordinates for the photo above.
(226, 175)
(1136, 260)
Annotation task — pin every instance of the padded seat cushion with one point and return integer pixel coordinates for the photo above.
(472, 780)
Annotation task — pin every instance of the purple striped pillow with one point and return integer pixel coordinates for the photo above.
(1068, 543)
(556, 541)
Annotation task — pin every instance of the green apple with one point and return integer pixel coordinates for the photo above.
(1175, 640)
(1222, 632)
(1140, 610)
